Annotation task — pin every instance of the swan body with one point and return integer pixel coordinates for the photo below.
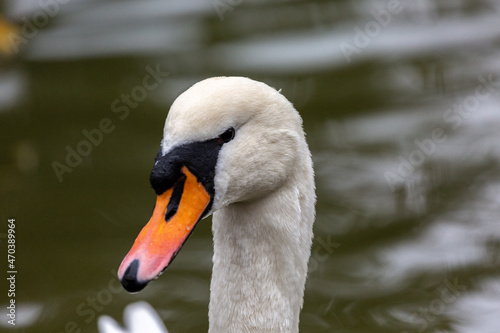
(234, 147)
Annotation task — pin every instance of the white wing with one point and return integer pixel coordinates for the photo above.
(138, 318)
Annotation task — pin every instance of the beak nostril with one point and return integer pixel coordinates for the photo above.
(175, 199)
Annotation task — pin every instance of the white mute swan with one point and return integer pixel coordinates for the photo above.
(234, 147)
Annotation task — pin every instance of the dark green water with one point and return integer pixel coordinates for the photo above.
(401, 103)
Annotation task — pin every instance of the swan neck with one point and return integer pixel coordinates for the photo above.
(261, 250)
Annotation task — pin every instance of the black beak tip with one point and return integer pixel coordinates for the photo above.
(129, 280)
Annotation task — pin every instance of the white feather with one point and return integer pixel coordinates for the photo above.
(138, 317)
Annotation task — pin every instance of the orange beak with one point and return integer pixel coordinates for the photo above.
(176, 213)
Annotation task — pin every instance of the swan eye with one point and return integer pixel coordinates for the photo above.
(227, 136)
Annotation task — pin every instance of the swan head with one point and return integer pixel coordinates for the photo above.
(226, 140)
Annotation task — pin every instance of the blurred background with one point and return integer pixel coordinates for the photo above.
(401, 104)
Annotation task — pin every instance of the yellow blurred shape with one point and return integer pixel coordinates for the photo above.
(8, 32)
